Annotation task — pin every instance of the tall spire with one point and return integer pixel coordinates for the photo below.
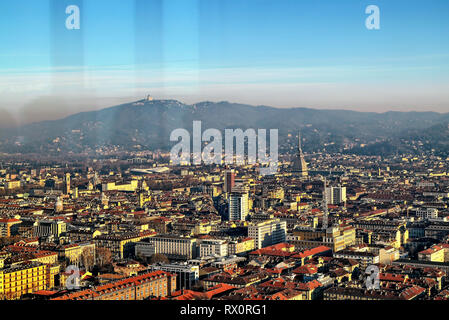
(299, 163)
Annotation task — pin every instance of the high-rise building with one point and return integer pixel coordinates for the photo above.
(229, 181)
(67, 184)
(299, 166)
(267, 233)
(336, 195)
(238, 205)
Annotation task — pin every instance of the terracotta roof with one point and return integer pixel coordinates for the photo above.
(312, 252)
(306, 269)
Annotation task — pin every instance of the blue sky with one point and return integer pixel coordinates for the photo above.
(285, 53)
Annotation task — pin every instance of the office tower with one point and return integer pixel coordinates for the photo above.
(238, 205)
(67, 184)
(299, 166)
(229, 181)
(336, 195)
(267, 233)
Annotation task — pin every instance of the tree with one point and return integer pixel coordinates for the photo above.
(104, 256)
(141, 258)
(6, 241)
(88, 258)
(158, 257)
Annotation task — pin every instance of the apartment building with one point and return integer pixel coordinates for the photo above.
(9, 227)
(45, 228)
(26, 278)
(267, 233)
(241, 246)
(140, 287)
(213, 247)
(173, 247)
(337, 238)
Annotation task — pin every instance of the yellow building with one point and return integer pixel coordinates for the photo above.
(433, 254)
(10, 185)
(111, 186)
(202, 228)
(245, 245)
(25, 278)
(277, 193)
(337, 238)
(73, 252)
(45, 257)
(52, 271)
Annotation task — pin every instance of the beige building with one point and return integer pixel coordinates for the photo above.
(337, 238)
(171, 246)
(121, 245)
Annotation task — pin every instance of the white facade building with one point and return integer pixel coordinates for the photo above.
(238, 206)
(267, 233)
(427, 213)
(213, 247)
(336, 195)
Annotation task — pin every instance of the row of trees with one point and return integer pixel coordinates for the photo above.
(101, 257)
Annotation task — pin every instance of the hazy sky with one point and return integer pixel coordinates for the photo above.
(284, 53)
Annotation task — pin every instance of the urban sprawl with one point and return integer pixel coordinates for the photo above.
(134, 227)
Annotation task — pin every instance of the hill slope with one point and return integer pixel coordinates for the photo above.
(148, 124)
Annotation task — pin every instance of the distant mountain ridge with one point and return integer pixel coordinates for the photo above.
(147, 125)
